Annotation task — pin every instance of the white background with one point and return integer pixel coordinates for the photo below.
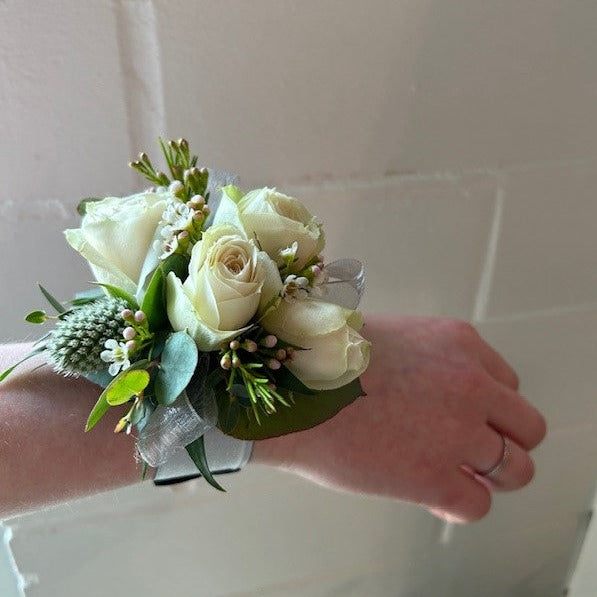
(452, 145)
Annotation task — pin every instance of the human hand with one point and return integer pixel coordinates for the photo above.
(438, 398)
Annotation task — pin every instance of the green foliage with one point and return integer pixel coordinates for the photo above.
(154, 301)
(87, 296)
(306, 412)
(53, 301)
(233, 192)
(116, 292)
(102, 405)
(286, 380)
(126, 385)
(182, 166)
(196, 451)
(36, 317)
(82, 206)
(177, 366)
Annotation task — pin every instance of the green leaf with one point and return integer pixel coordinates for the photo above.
(154, 301)
(119, 293)
(87, 296)
(288, 381)
(101, 406)
(54, 302)
(126, 385)
(306, 412)
(196, 451)
(177, 365)
(228, 417)
(144, 469)
(36, 317)
(8, 371)
(82, 205)
(233, 192)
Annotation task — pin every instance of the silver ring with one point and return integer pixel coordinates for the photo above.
(506, 453)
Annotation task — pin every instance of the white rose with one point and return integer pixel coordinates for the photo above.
(116, 234)
(229, 281)
(275, 220)
(336, 353)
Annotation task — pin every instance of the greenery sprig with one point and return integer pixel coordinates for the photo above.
(185, 180)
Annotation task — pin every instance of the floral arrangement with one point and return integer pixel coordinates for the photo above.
(211, 307)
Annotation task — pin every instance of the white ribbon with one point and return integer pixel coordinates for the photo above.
(171, 428)
(345, 283)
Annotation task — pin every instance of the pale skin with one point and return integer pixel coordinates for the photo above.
(438, 397)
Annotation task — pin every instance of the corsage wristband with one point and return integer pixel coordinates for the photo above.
(214, 316)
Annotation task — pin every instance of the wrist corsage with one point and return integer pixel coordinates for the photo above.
(212, 307)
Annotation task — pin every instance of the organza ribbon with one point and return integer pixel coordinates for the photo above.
(171, 428)
(345, 283)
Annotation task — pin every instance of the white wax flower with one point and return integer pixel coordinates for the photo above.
(275, 220)
(336, 353)
(116, 234)
(229, 281)
(116, 353)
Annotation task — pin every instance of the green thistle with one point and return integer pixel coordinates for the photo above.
(77, 341)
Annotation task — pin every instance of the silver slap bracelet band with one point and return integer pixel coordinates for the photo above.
(225, 454)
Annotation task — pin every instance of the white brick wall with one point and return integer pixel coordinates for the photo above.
(451, 145)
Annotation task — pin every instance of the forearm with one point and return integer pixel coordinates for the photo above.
(45, 456)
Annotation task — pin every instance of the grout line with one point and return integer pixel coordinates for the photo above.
(484, 289)
(141, 71)
(453, 175)
(540, 313)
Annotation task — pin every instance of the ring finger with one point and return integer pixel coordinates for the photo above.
(487, 452)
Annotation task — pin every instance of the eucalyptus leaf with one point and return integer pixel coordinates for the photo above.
(36, 317)
(119, 293)
(196, 451)
(177, 366)
(306, 412)
(127, 385)
(53, 301)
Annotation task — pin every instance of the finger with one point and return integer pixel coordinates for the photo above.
(517, 468)
(462, 498)
(513, 416)
(497, 366)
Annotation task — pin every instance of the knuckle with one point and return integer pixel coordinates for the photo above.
(469, 380)
(461, 328)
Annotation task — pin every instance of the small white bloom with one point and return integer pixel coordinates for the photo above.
(116, 353)
(288, 254)
(295, 288)
(178, 217)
